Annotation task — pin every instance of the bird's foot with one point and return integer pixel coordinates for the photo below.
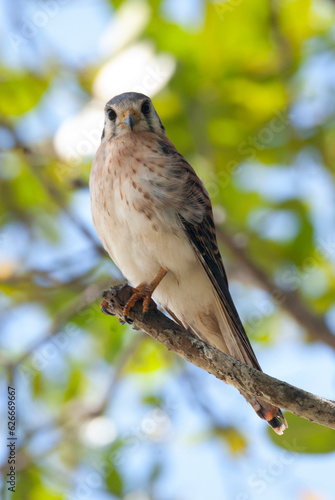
(142, 292)
(104, 308)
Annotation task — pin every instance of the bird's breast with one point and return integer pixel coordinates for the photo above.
(140, 234)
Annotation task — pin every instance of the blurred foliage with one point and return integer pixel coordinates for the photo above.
(250, 106)
(304, 437)
(16, 100)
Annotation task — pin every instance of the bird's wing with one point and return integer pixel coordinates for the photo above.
(202, 235)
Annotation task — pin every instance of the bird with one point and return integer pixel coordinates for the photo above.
(153, 216)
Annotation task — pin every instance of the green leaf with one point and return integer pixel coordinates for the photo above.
(43, 492)
(232, 437)
(37, 383)
(150, 356)
(156, 472)
(305, 437)
(20, 91)
(152, 400)
(31, 487)
(75, 384)
(114, 483)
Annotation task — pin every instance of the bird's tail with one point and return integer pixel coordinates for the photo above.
(227, 334)
(272, 414)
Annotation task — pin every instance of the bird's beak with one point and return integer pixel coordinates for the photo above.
(130, 119)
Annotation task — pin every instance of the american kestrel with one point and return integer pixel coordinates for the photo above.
(154, 217)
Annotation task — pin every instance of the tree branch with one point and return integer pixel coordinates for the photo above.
(224, 367)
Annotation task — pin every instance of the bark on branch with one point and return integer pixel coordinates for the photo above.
(223, 366)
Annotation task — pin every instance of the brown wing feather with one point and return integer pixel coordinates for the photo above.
(203, 238)
(204, 242)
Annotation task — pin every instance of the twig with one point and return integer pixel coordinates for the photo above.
(120, 366)
(223, 366)
(85, 299)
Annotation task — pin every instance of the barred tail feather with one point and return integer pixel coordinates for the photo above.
(219, 331)
(271, 414)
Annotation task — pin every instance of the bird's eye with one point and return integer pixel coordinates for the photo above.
(145, 107)
(111, 114)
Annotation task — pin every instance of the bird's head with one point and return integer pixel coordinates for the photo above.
(130, 113)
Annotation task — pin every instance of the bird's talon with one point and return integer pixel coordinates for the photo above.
(128, 320)
(147, 302)
(142, 292)
(105, 311)
(103, 307)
